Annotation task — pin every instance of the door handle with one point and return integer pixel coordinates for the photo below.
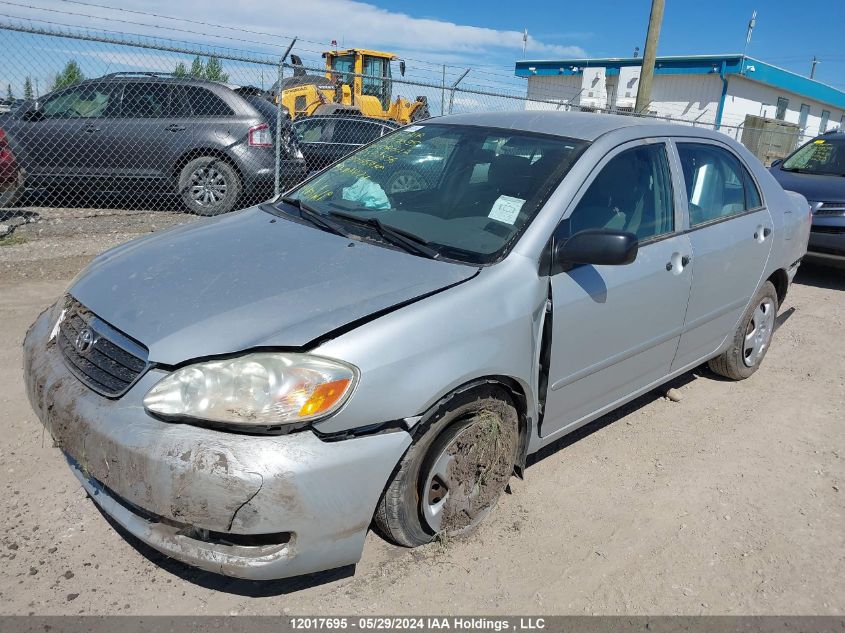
(678, 263)
(762, 233)
(175, 128)
(90, 129)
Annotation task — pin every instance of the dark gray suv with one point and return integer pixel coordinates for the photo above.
(137, 135)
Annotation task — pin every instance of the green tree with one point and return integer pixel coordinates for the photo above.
(214, 70)
(197, 68)
(9, 94)
(27, 88)
(71, 75)
(180, 70)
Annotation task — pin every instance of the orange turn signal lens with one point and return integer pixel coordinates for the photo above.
(324, 397)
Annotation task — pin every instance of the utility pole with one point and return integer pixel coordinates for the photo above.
(524, 41)
(655, 19)
(813, 67)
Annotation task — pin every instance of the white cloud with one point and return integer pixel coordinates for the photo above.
(350, 22)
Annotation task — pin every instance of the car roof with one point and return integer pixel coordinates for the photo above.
(348, 117)
(587, 126)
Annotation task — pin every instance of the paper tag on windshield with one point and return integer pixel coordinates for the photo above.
(506, 209)
(412, 128)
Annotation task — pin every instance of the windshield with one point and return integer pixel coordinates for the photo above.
(821, 156)
(465, 191)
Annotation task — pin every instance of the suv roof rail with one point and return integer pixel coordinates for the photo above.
(139, 73)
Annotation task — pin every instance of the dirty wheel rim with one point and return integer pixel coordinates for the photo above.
(405, 182)
(759, 332)
(451, 504)
(207, 186)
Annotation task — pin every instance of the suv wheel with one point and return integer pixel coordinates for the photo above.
(209, 186)
(10, 192)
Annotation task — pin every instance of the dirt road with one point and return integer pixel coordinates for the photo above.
(729, 501)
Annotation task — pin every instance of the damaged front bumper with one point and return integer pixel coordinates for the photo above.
(255, 507)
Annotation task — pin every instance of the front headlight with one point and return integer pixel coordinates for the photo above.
(261, 389)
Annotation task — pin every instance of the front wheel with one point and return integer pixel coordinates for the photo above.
(454, 472)
(752, 338)
(209, 186)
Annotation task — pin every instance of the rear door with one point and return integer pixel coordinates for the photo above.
(730, 231)
(615, 329)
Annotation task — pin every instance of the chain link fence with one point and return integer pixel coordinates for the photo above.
(135, 122)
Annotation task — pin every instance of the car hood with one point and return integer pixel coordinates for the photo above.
(812, 186)
(247, 280)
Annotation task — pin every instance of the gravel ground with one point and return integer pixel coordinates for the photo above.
(728, 501)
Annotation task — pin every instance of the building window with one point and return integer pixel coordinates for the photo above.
(802, 117)
(780, 113)
(823, 122)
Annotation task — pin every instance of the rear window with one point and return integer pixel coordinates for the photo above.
(203, 102)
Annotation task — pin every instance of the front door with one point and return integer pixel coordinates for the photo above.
(731, 237)
(615, 329)
(65, 141)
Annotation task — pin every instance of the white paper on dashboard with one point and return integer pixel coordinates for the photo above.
(506, 209)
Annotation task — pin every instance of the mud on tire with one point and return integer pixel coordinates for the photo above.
(450, 478)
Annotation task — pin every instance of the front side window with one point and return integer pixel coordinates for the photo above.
(89, 101)
(352, 132)
(632, 193)
(821, 156)
(717, 185)
(344, 67)
(424, 180)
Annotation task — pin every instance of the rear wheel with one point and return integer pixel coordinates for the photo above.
(752, 338)
(209, 186)
(454, 472)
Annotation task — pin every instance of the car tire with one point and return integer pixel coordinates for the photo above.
(752, 338)
(209, 186)
(473, 435)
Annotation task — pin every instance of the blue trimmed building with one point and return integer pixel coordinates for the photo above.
(717, 90)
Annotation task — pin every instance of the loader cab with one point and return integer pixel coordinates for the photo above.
(344, 65)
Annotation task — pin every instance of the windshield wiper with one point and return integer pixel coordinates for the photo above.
(399, 237)
(307, 212)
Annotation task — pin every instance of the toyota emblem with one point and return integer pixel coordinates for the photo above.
(85, 341)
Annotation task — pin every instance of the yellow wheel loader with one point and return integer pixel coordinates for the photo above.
(357, 81)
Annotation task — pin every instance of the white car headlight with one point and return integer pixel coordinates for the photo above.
(261, 389)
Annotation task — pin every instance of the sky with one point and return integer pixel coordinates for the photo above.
(483, 34)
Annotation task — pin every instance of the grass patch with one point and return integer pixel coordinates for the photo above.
(12, 240)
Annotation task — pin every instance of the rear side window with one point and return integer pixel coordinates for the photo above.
(633, 193)
(203, 102)
(717, 184)
(145, 101)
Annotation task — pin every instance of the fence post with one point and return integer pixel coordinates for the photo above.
(454, 87)
(277, 186)
(443, 92)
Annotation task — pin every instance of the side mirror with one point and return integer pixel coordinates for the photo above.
(402, 67)
(603, 247)
(776, 162)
